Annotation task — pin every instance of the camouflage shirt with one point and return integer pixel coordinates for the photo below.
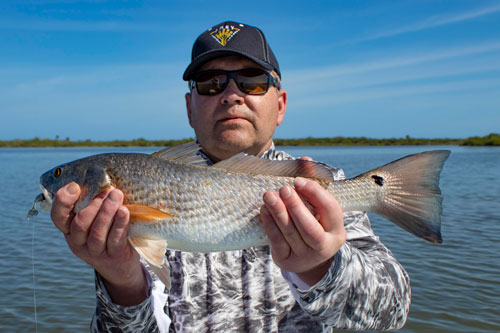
(244, 291)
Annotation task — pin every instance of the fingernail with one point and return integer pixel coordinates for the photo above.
(114, 196)
(270, 199)
(300, 182)
(285, 192)
(122, 212)
(71, 188)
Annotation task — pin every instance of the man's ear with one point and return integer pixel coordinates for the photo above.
(188, 107)
(282, 100)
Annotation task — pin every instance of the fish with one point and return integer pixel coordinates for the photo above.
(177, 201)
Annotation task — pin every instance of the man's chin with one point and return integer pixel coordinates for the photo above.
(231, 143)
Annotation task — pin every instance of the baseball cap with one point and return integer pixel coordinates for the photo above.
(229, 38)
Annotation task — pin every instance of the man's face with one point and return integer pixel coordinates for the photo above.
(232, 121)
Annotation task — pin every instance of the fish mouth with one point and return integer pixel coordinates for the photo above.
(47, 195)
(45, 200)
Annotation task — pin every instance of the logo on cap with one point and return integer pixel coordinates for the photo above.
(224, 33)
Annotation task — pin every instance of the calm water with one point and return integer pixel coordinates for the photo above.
(455, 286)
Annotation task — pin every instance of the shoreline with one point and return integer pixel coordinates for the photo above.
(492, 139)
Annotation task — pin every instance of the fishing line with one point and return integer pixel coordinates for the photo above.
(34, 279)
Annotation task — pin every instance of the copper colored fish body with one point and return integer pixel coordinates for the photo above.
(176, 202)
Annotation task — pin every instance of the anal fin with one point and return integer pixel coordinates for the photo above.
(153, 251)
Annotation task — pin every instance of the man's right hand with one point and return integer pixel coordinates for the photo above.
(98, 236)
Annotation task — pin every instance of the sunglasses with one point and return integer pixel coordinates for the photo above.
(252, 81)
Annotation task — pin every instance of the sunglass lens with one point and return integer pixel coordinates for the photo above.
(211, 82)
(253, 81)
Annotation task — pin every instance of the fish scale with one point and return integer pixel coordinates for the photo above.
(206, 209)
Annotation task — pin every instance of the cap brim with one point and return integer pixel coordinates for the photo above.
(195, 65)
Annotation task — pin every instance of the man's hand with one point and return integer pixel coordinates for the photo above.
(98, 236)
(300, 241)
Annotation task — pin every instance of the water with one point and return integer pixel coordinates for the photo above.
(455, 286)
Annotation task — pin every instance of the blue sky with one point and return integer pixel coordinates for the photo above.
(106, 70)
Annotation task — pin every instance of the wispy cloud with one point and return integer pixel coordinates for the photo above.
(362, 96)
(451, 69)
(432, 22)
(77, 25)
(36, 77)
(390, 63)
(94, 88)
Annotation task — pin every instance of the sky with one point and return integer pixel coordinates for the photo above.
(105, 70)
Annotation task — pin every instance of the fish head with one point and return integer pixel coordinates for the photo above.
(88, 173)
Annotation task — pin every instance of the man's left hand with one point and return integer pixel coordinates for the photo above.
(300, 241)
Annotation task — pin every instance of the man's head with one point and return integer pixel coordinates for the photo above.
(235, 101)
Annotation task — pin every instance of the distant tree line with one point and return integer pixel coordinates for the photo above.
(141, 142)
(363, 141)
(488, 140)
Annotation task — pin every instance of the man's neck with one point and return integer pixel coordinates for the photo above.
(265, 153)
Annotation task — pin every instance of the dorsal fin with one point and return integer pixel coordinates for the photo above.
(287, 168)
(183, 153)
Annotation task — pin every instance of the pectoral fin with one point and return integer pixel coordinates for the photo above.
(146, 214)
(153, 251)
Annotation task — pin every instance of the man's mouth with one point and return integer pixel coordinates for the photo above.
(232, 118)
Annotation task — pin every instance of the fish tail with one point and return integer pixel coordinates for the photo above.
(412, 198)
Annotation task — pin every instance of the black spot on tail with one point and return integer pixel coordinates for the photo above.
(378, 180)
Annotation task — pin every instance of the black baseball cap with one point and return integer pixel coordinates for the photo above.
(229, 38)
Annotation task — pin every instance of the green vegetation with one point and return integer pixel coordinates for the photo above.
(488, 140)
(37, 142)
(362, 141)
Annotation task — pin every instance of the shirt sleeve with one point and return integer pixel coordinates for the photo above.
(148, 316)
(366, 288)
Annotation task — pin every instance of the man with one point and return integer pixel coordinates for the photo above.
(322, 270)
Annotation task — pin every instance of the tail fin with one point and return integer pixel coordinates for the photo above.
(412, 198)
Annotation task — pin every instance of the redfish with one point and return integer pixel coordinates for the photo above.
(176, 202)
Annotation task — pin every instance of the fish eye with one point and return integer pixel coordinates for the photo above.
(57, 172)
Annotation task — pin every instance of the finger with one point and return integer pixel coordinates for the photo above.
(118, 235)
(62, 207)
(279, 246)
(323, 202)
(305, 158)
(285, 223)
(81, 224)
(308, 228)
(99, 231)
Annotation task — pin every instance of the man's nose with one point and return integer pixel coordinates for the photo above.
(232, 94)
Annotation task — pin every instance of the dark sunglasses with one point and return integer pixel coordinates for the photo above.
(252, 81)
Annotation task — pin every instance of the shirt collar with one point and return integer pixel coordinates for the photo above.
(269, 154)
